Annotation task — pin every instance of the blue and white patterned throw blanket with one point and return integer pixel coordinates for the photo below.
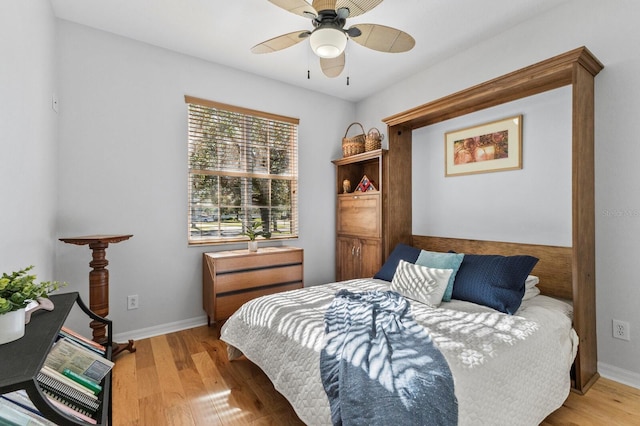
(380, 367)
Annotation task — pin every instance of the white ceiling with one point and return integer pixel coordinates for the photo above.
(224, 31)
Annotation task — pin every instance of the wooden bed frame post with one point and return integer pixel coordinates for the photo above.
(577, 68)
(583, 220)
(397, 207)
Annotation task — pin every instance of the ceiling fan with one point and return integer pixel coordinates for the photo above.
(328, 39)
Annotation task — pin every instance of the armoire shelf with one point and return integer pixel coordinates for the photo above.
(22, 359)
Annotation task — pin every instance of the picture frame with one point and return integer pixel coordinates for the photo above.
(489, 147)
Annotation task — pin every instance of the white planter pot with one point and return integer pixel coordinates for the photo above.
(253, 245)
(11, 326)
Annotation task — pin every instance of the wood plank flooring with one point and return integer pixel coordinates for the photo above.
(185, 378)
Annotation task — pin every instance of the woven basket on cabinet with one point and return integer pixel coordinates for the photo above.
(354, 144)
(373, 140)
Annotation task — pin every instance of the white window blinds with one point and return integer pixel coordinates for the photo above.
(243, 168)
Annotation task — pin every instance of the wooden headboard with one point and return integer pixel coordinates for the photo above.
(553, 267)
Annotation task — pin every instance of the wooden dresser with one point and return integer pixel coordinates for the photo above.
(230, 278)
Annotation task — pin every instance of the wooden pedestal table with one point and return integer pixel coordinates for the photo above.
(99, 284)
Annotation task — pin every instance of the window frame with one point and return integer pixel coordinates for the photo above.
(247, 174)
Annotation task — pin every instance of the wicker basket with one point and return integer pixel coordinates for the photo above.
(373, 140)
(354, 144)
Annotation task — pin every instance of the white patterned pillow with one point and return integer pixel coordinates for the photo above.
(421, 283)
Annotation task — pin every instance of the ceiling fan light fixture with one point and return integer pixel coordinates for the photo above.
(328, 42)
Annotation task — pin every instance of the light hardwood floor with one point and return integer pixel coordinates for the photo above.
(184, 378)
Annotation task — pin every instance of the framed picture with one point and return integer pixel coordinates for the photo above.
(489, 147)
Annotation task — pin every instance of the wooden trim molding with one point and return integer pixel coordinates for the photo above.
(546, 75)
(219, 105)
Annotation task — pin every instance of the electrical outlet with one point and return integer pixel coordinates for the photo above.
(621, 330)
(132, 302)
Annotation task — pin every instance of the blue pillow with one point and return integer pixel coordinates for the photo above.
(493, 280)
(434, 259)
(400, 252)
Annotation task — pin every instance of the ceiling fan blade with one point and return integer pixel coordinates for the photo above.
(321, 5)
(383, 39)
(280, 42)
(297, 7)
(332, 67)
(357, 7)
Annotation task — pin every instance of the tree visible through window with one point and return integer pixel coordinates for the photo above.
(243, 168)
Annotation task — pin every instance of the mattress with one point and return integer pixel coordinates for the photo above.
(507, 369)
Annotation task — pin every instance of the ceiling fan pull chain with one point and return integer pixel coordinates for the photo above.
(309, 58)
(348, 66)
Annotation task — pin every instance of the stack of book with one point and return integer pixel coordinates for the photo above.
(17, 409)
(70, 378)
(83, 341)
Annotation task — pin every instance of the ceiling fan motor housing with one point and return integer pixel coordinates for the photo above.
(329, 18)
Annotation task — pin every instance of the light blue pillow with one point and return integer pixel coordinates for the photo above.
(437, 260)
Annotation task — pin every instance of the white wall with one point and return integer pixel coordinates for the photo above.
(123, 169)
(531, 205)
(609, 30)
(28, 128)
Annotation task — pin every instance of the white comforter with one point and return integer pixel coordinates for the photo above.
(508, 370)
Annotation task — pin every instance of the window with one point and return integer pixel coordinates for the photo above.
(243, 169)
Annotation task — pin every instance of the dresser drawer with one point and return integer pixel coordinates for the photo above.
(240, 260)
(227, 304)
(255, 278)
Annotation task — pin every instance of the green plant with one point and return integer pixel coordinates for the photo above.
(19, 289)
(254, 231)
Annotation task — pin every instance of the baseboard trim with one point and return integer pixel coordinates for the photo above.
(619, 375)
(158, 330)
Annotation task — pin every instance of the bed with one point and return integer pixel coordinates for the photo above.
(508, 368)
(519, 380)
